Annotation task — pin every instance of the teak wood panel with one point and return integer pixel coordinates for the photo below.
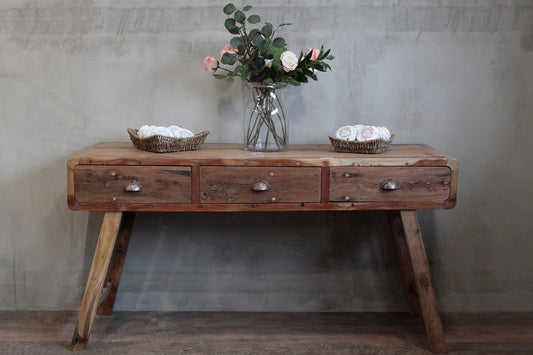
(417, 184)
(104, 184)
(234, 184)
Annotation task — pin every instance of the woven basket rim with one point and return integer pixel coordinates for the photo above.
(164, 144)
(158, 136)
(369, 141)
(373, 146)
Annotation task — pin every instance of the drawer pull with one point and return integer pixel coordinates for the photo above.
(132, 186)
(260, 186)
(389, 185)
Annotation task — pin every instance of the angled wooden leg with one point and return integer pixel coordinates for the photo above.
(95, 282)
(429, 308)
(404, 263)
(117, 263)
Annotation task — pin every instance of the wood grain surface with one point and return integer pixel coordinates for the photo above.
(428, 179)
(45, 332)
(235, 184)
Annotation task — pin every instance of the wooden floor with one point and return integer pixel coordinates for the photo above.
(28, 332)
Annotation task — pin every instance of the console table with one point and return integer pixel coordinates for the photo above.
(121, 180)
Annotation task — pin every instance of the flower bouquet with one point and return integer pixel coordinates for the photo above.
(262, 60)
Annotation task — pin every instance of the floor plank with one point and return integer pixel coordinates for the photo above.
(48, 332)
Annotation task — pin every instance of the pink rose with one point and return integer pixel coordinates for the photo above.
(289, 60)
(210, 64)
(316, 53)
(228, 49)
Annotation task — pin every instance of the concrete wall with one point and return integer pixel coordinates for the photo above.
(455, 74)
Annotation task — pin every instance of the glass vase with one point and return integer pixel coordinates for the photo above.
(265, 125)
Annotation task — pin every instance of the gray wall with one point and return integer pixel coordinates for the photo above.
(455, 74)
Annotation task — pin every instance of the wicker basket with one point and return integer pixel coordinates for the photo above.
(163, 144)
(368, 147)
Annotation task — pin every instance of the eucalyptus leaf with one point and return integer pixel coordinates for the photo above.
(239, 16)
(229, 59)
(229, 9)
(231, 26)
(236, 42)
(247, 8)
(257, 39)
(278, 42)
(219, 76)
(254, 19)
(267, 30)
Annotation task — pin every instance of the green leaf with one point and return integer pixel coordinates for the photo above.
(257, 39)
(294, 82)
(229, 79)
(323, 55)
(311, 74)
(235, 42)
(267, 30)
(229, 58)
(247, 8)
(231, 26)
(219, 76)
(278, 42)
(321, 66)
(276, 61)
(268, 81)
(237, 69)
(258, 63)
(229, 8)
(285, 24)
(254, 19)
(244, 75)
(239, 16)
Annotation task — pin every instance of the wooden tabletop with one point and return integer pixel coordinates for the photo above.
(124, 153)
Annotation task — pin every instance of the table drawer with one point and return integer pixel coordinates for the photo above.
(146, 184)
(259, 184)
(390, 184)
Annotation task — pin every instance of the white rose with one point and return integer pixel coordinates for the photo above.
(289, 60)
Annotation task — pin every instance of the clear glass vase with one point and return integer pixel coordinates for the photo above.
(265, 125)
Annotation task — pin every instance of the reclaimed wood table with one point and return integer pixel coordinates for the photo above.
(121, 180)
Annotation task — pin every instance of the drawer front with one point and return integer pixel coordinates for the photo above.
(259, 184)
(146, 184)
(390, 184)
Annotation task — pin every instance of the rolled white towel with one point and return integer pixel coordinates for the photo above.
(348, 133)
(163, 131)
(175, 130)
(184, 132)
(384, 133)
(141, 132)
(368, 133)
(146, 131)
